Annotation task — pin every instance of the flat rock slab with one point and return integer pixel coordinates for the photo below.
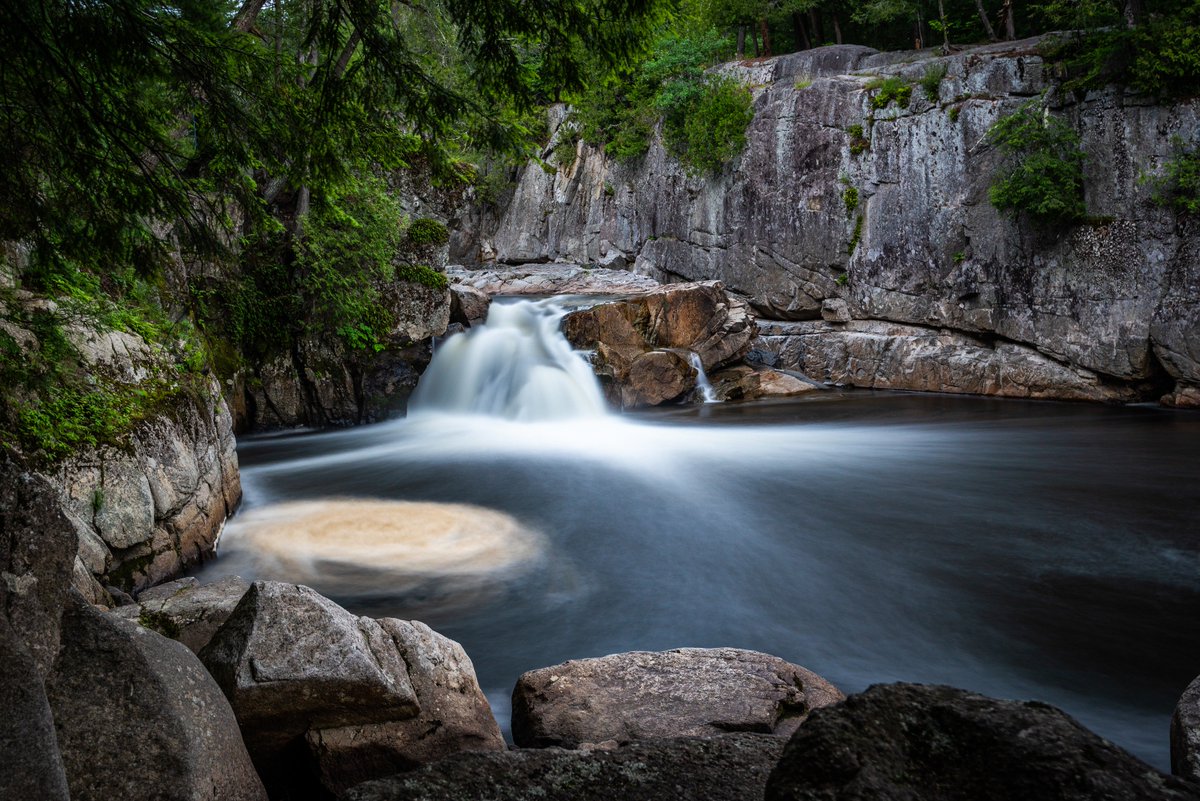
(551, 279)
(731, 767)
(907, 742)
(689, 692)
(1185, 734)
(185, 610)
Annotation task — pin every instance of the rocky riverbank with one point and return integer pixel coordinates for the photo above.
(874, 224)
(267, 690)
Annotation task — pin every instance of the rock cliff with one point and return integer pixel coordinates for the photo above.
(1103, 310)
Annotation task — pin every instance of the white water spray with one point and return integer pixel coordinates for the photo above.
(706, 387)
(516, 366)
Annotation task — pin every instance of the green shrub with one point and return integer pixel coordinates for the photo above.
(850, 197)
(931, 81)
(715, 127)
(1044, 172)
(859, 142)
(888, 89)
(426, 231)
(1178, 185)
(856, 237)
(953, 113)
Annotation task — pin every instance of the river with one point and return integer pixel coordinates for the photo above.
(1024, 550)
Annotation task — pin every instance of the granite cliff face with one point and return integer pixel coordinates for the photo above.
(1104, 310)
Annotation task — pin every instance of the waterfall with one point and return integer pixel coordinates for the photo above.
(706, 388)
(516, 366)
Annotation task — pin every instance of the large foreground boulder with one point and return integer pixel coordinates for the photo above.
(137, 716)
(1185, 734)
(454, 718)
(29, 752)
(687, 692)
(731, 767)
(905, 742)
(644, 344)
(327, 699)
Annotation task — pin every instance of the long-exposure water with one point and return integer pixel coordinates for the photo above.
(1023, 550)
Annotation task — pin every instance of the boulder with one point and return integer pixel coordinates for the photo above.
(1185, 734)
(670, 321)
(290, 660)
(905, 742)
(468, 305)
(743, 382)
(33, 767)
(454, 718)
(682, 693)
(137, 716)
(186, 610)
(326, 699)
(730, 767)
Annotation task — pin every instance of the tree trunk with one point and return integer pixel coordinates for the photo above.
(945, 26)
(815, 22)
(1010, 27)
(802, 41)
(1132, 11)
(837, 28)
(987, 23)
(247, 14)
(766, 37)
(918, 32)
(741, 45)
(754, 38)
(343, 61)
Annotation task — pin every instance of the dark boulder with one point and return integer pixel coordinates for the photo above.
(730, 767)
(906, 742)
(137, 716)
(1185, 734)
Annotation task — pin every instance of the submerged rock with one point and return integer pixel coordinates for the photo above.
(137, 716)
(687, 692)
(730, 767)
(642, 343)
(1185, 734)
(905, 742)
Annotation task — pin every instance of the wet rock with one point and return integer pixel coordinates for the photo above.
(468, 305)
(137, 716)
(882, 355)
(551, 279)
(185, 610)
(455, 717)
(1185, 734)
(730, 767)
(681, 693)
(743, 382)
(670, 321)
(907, 742)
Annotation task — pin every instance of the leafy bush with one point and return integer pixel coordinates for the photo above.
(1044, 176)
(1178, 185)
(714, 128)
(850, 197)
(425, 231)
(858, 139)
(888, 89)
(931, 81)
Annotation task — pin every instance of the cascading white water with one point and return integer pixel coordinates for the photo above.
(516, 366)
(706, 387)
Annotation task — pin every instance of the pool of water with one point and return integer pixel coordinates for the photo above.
(1023, 550)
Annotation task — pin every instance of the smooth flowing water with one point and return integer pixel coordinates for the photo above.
(1023, 550)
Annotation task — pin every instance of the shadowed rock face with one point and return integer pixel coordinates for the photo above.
(1185, 734)
(1113, 299)
(137, 716)
(688, 692)
(642, 342)
(731, 767)
(905, 742)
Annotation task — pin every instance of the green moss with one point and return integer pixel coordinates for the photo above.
(886, 90)
(858, 139)
(953, 113)
(931, 81)
(157, 621)
(856, 237)
(426, 231)
(804, 82)
(422, 274)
